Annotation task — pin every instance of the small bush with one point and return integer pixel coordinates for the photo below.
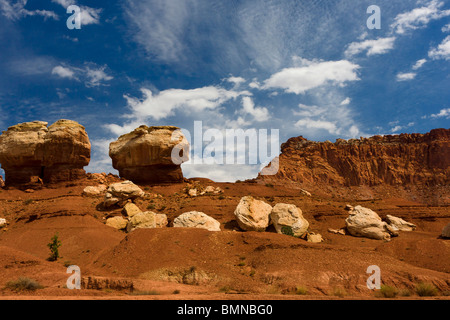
(221, 197)
(53, 246)
(150, 207)
(339, 292)
(426, 290)
(301, 291)
(287, 231)
(405, 293)
(28, 202)
(388, 292)
(145, 293)
(23, 284)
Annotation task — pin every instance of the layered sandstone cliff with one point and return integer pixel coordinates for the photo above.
(31, 151)
(406, 159)
(145, 155)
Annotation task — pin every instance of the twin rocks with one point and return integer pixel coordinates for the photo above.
(363, 222)
(256, 215)
(34, 152)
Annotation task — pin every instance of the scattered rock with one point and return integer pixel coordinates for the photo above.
(253, 215)
(29, 191)
(348, 207)
(305, 193)
(363, 222)
(93, 191)
(120, 193)
(145, 155)
(314, 238)
(147, 220)
(287, 219)
(400, 224)
(2, 182)
(446, 232)
(130, 210)
(192, 192)
(56, 153)
(3, 222)
(118, 223)
(340, 231)
(195, 219)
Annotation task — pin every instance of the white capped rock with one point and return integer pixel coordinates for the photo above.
(252, 214)
(363, 222)
(287, 218)
(195, 219)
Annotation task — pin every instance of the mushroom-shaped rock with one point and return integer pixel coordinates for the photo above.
(363, 222)
(400, 224)
(195, 219)
(150, 154)
(31, 151)
(252, 214)
(288, 219)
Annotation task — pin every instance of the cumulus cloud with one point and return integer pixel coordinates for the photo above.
(442, 51)
(316, 74)
(419, 17)
(371, 47)
(258, 113)
(444, 113)
(419, 64)
(91, 74)
(446, 28)
(406, 76)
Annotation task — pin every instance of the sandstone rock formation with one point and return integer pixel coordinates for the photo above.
(147, 220)
(252, 214)
(145, 155)
(393, 160)
(288, 219)
(130, 210)
(195, 219)
(118, 223)
(31, 151)
(119, 193)
(400, 224)
(363, 222)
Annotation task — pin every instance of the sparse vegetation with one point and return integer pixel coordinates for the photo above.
(28, 202)
(150, 207)
(388, 292)
(405, 293)
(301, 291)
(145, 293)
(426, 290)
(54, 246)
(339, 292)
(287, 231)
(221, 197)
(24, 284)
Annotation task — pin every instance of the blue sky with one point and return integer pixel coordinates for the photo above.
(310, 68)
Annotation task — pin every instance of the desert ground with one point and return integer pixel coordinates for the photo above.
(195, 264)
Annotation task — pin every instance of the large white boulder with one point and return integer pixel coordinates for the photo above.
(252, 214)
(400, 224)
(288, 219)
(195, 219)
(363, 222)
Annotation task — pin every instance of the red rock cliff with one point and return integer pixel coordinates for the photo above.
(420, 159)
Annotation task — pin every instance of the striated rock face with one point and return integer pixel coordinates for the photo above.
(393, 160)
(31, 151)
(145, 155)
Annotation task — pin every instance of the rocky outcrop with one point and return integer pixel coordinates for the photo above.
(195, 219)
(119, 194)
(32, 151)
(252, 214)
(421, 159)
(118, 223)
(145, 155)
(363, 222)
(288, 219)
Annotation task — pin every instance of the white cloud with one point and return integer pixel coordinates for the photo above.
(446, 28)
(442, 51)
(372, 47)
(346, 102)
(236, 80)
(316, 74)
(164, 104)
(88, 15)
(63, 72)
(419, 64)
(96, 76)
(406, 76)
(419, 17)
(317, 124)
(444, 113)
(16, 10)
(259, 114)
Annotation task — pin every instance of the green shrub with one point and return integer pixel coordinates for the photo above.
(23, 284)
(301, 291)
(287, 231)
(53, 246)
(426, 290)
(339, 292)
(388, 292)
